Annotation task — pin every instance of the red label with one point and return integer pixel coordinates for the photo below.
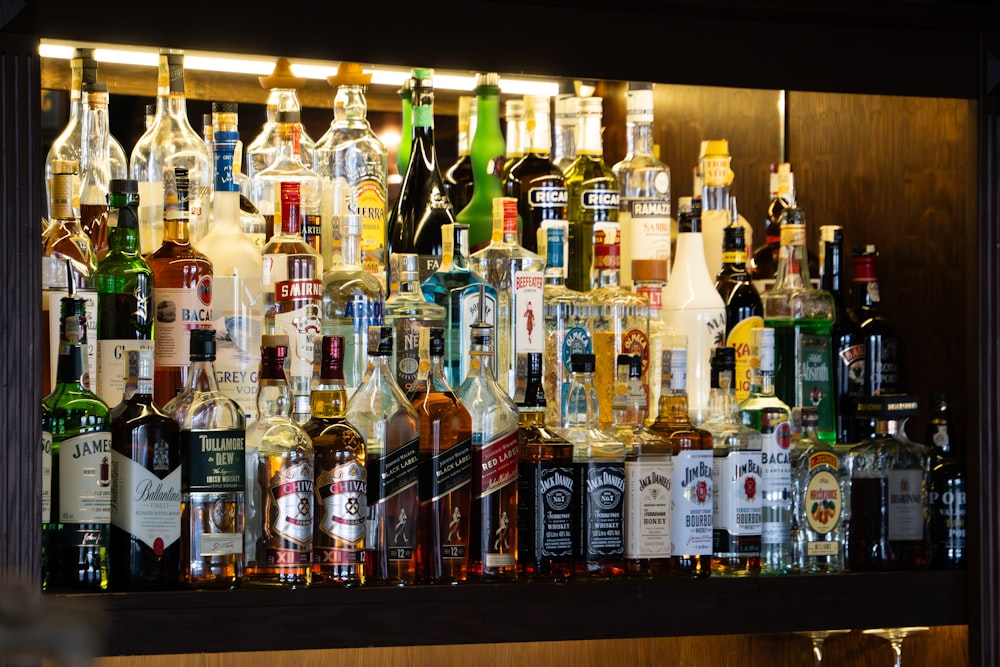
(495, 464)
(635, 342)
(204, 290)
(290, 290)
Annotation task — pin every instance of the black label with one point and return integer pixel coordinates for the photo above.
(446, 472)
(601, 493)
(213, 461)
(392, 473)
(545, 495)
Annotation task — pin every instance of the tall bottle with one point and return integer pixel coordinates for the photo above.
(744, 309)
(422, 207)
(237, 278)
(848, 346)
(282, 87)
(124, 294)
(458, 181)
(341, 477)
(487, 154)
(564, 127)
(947, 492)
(407, 311)
(716, 208)
(170, 142)
(144, 550)
(354, 165)
(75, 532)
(279, 469)
(213, 489)
(293, 296)
(516, 133)
(644, 187)
(592, 192)
(649, 280)
(493, 519)
(95, 166)
(406, 134)
(763, 264)
(802, 318)
(182, 293)
(692, 306)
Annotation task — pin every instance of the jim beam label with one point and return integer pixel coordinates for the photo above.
(342, 501)
(85, 478)
(392, 483)
(546, 511)
(905, 504)
(776, 470)
(46, 476)
(290, 514)
(178, 311)
(145, 505)
(691, 495)
(736, 498)
(213, 461)
(647, 513)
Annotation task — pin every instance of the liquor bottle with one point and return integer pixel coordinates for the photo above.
(225, 118)
(213, 460)
(770, 416)
(493, 536)
(592, 193)
(716, 209)
(182, 292)
(464, 295)
(405, 148)
(170, 142)
(422, 207)
(564, 129)
(288, 166)
(458, 183)
(144, 550)
(75, 534)
(890, 526)
(124, 294)
(691, 511)
(744, 309)
(947, 491)
(692, 306)
(445, 468)
(282, 95)
(280, 479)
(390, 426)
(802, 318)
(237, 283)
(354, 165)
(63, 240)
(736, 476)
(649, 280)
(487, 154)
(546, 481)
(149, 116)
(516, 135)
(407, 312)
(644, 187)
(518, 277)
(352, 302)
(341, 477)
(818, 481)
(535, 181)
(95, 166)
(848, 346)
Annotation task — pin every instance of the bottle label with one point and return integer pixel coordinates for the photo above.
(648, 233)
(715, 170)
(91, 375)
(46, 477)
(291, 516)
(144, 505)
(494, 463)
(236, 302)
(906, 504)
(359, 313)
(793, 235)
(776, 477)
(949, 514)
(178, 311)
(342, 499)
(297, 314)
(529, 287)
(852, 365)
(545, 517)
(736, 500)
(823, 502)
(635, 342)
(213, 461)
(469, 312)
(111, 356)
(599, 200)
(576, 341)
(85, 478)
(446, 472)
(602, 509)
(407, 351)
(548, 197)
(739, 339)
(691, 504)
(394, 487)
(647, 529)
(369, 205)
(816, 377)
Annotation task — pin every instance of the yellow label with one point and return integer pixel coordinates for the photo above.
(823, 502)
(734, 257)
(793, 235)
(370, 207)
(739, 338)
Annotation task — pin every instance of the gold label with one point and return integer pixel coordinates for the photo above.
(794, 235)
(823, 502)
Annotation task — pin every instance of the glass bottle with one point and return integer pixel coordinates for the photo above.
(445, 467)
(458, 183)
(182, 292)
(237, 282)
(279, 469)
(947, 492)
(422, 207)
(535, 181)
(515, 137)
(144, 549)
(692, 306)
(493, 519)
(225, 118)
(352, 302)
(848, 347)
(736, 476)
(213, 482)
(592, 193)
(341, 482)
(354, 165)
(293, 296)
(716, 209)
(124, 294)
(802, 318)
(282, 95)
(75, 532)
(487, 154)
(564, 129)
(649, 280)
(405, 148)
(644, 187)
(407, 311)
(170, 142)
(95, 166)
(390, 426)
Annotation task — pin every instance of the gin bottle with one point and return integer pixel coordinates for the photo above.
(487, 153)
(458, 183)
(818, 481)
(282, 86)
(407, 311)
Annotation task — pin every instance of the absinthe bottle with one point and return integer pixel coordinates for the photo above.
(487, 152)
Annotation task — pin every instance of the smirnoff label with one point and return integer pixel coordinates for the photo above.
(647, 522)
(691, 504)
(213, 461)
(178, 311)
(144, 505)
(85, 478)
(342, 500)
(546, 492)
(737, 502)
(906, 504)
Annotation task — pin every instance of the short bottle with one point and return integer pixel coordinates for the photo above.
(487, 152)
(947, 493)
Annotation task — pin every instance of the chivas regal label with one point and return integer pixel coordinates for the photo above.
(691, 503)
(342, 500)
(85, 478)
(290, 516)
(737, 503)
(647, 514)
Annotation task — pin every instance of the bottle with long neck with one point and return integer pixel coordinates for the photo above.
(716, 209)
(881, 344)
(763, 264)
(848, 346)
(406, 134)
(948, 491)
(458, 183)
(515, 136)
(282, 86)
(564, 128)
(407, 311)
(95, 166)
(487, 154)
(341, 478)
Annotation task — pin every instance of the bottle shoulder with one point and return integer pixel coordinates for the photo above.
(277, 435)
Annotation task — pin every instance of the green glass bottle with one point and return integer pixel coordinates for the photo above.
(406, 134)
(488, 153)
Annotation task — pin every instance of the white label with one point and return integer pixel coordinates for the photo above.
(736, 492)
(221, 544)
(302, 326)
(776, 473)
(528, 323)
(236, 306)
(292, 491)
(85, 478)
(691, 507)
(178, 311)
(143, 505)
(647, 513)
(906, 504)
(89, 358)
(46, 476)
(343, 500)
(112, 356)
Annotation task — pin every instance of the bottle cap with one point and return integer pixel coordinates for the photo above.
(225, 107)
(639, 104)
(436, 342)
(125, 186)
(128, 216)
(203, 345)
(590, 105)
(649, 270)
(281, 76)
(349, 74)
(733, 238)
(332, 347)
(488, 80)
(581, 363)
(379, 341)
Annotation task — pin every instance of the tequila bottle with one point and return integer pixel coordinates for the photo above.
(407, 311)
(487, 154)
(818, 480)
(744, 310)
(282, 95)
(458, 183)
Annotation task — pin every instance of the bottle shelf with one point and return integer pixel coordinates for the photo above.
(317, 618)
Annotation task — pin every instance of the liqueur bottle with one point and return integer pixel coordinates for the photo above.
(649, 280)
(279, 469)
(144, 551)
(717, 210)
(407, 311)
(75, 532)
(341, 478)
(458, 183)
(564, 128)
(493, 520)
(124, 294)
(282, 95)
(848, 347)
(390, 426)
(487, 154)
(182, 293)
(225, 118)
(445, 468)
(95, 166)
(947, 493)
(744, 310)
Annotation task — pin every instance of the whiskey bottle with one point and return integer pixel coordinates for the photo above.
(744, 310)
(282, 88)
(487, 154)
(95, 166)
(947, 494)
(407, 311)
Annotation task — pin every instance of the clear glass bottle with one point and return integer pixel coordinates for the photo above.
(947, 493)
(225, 118)
(407, 311)
(515, 115)
(280, 479)
(445, 468)
(391, 428)
(282, 95)
(95, 166)
(213, 481)
(487, 154)
(564, 128)
(716, 208)
(649, 281)
(458, 183)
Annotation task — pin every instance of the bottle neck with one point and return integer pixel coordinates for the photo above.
(539, 137)
(329, 399)
(95, 149)
(793, 264)
(350, 245)
(123, 241)
(281, 99)
(640, 138)
(589, 135)
(762, 383)
(580, 406)
(69, 369)
(201, 376)
(351, 103)
(515, 137)
(274, 398)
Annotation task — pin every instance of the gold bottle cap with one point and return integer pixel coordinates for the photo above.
(349, 74)
(282, 76)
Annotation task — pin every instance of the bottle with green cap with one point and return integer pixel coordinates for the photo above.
(488, 152)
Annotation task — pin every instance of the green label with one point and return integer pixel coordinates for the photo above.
(213, 461)
(816, 376)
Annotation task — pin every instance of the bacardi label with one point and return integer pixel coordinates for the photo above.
(178, 311)
(647, 522)
(737, 503)
(545, 511)
(342, 500)
(602, 509)
(85, 478)
(291, 516)
(213, 461)
(906, 504)
(776, 473)
(144, 505)
(691, 506)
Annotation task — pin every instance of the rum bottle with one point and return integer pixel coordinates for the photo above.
(407, 311)
(487, 153)
(458, 183)
(947, 493)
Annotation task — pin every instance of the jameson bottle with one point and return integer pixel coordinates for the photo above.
(947, 494)
(458, 181)
(144, 552)
(487, 152)
(744, 310)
